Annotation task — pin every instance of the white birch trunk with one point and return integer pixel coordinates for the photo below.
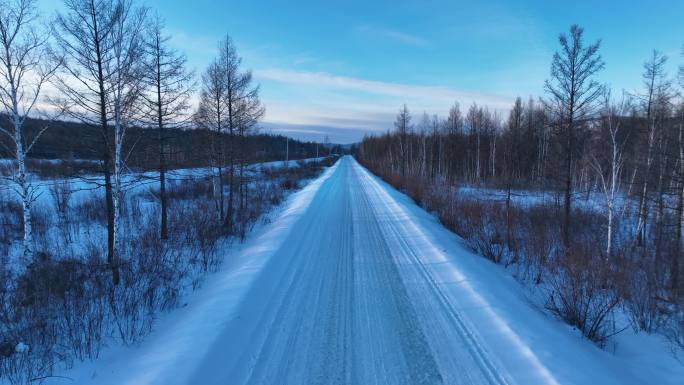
(21, 177)
(117, 191)
(23, 186)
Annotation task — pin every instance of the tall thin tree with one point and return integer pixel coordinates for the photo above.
(656, 87)
(169, 88)
(609, 164)
(23, 73)
(211, 115)
(100, 85)
(243, 108)
(573, 93)
(403, 126)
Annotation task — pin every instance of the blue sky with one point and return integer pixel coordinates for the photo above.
(345, 68)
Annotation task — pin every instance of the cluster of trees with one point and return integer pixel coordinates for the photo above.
(625, 153)
(115, 75)
(229, 103)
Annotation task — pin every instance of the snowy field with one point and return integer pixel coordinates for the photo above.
(89, 188)
(62, 307)
(352, 283)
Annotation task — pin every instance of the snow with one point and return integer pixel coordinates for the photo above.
(90, 187)
(353, 283)
(21, 348)
(594, 201)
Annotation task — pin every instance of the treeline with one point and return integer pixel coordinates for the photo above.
(69, 141)
(609, 236)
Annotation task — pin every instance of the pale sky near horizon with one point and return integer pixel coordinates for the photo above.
(345, 69)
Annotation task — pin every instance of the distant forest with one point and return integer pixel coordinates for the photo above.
(186, 147)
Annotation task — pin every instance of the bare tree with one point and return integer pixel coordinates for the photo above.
(169, 88)
(609, 170)
(61, 192)
(516, 118)
(403, 126)
(657, 87)
(243, 108)
(675, 280)
(125, 78)
(211, 114)
(326, 143)
(228, 103)
(474, 121)
(454, 122)
(82, 34)
(23, 74)
(437, 154)
(573, 93)
(424, 128)
(494, 127)
(101, 42)
(247, 113)
(453, 127)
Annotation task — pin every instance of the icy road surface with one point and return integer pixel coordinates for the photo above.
(354, 284)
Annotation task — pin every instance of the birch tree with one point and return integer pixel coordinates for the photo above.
(23, 73)
(609, 171)
(100, 85)
(125, 79)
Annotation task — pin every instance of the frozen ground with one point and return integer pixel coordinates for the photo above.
(354, 284)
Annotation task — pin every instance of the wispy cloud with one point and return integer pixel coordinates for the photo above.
(439, 94)
(325, 100)
(315, 132)
(391, 34)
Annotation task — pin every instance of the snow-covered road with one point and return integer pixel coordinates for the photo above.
(352, 297)
(346, 301)
(353, 284)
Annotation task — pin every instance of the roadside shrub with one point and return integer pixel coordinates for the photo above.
(581, 290)
(640, 290)
(581, 286)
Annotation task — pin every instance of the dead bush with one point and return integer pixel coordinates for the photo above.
(581, 291)
(641, 292)
(90, 211)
